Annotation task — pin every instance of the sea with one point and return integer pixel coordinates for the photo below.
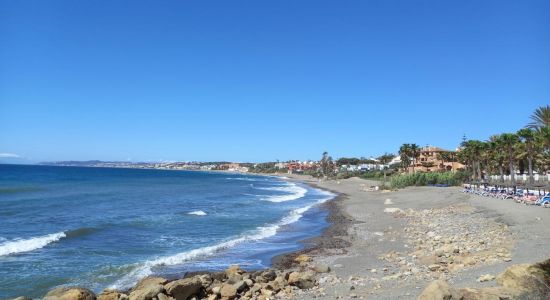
(108, 227)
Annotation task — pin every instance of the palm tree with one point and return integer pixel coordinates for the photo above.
(508, 141)
(470, 153)
(415, 153)
(405, 155)
(540, 118)
(495, 147)
(542, 142)
(527, 136)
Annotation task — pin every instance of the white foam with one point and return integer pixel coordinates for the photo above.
(145, 269)
(294, 192)
(197, 213)
(26, 245)
(242, 178)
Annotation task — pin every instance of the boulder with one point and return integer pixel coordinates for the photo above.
(70, 293)
(112, 295)
(303, 280)
(149, 281)
(302, 258)
(164, 297)
(321, 269)
(183, 288)
(269, 275)
(233, 270)
(439, 290)
(228, 291)
(530, 280)
(240, 286)
(146, 292)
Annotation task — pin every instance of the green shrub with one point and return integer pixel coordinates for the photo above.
(420, 179)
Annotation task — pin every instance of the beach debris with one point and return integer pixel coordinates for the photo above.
(388, 202)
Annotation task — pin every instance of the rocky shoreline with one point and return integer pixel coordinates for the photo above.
(226, 285)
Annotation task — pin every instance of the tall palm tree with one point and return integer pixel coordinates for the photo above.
(542, 142)
(415, 153)
(527, 136)
(405, 155)
(470, 152)
(508, 141)
(540, 118)
(496, 149)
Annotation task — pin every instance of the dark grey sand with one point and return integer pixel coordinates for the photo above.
(361, 232)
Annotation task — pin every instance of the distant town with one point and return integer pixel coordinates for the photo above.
(430, 159)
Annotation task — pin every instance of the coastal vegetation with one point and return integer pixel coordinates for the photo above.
(399, 181)
(526, 151)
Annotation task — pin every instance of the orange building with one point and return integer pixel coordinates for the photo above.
(435, 159)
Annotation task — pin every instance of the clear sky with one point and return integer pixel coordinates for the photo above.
(264, 80)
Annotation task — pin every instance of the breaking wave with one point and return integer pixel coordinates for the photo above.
(197, 213)
(26, 245)
(145, 269)
(293, 192)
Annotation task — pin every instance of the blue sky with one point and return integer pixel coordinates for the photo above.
(264, 80)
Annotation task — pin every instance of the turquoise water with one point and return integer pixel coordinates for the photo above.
(100, 227)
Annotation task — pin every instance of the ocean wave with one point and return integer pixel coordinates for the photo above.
(197, 213)
(242, 178)
(26, 245)
(293, 191)
(145, 269)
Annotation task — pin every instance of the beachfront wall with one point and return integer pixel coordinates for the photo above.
(539, 180)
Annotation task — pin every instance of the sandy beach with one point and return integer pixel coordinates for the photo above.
(391, 245)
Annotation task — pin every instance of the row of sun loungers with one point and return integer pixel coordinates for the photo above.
(520, 195)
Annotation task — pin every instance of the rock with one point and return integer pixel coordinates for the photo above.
(269, 275)
(303, 280)
(255, 288)
(147, 292)
(240, 286)
(439, 290)
(525, 277)
(388, 202)
(249, 282)
(212, 297)
(112, 295)
(228, 291)
(183, 288)
(148, 281)
(302, 258)
(321, 269)
(232, 270)
(70, 293)
(216, 290)
(164, 297)
(434, 267)
(486, 277)
(206, 280)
